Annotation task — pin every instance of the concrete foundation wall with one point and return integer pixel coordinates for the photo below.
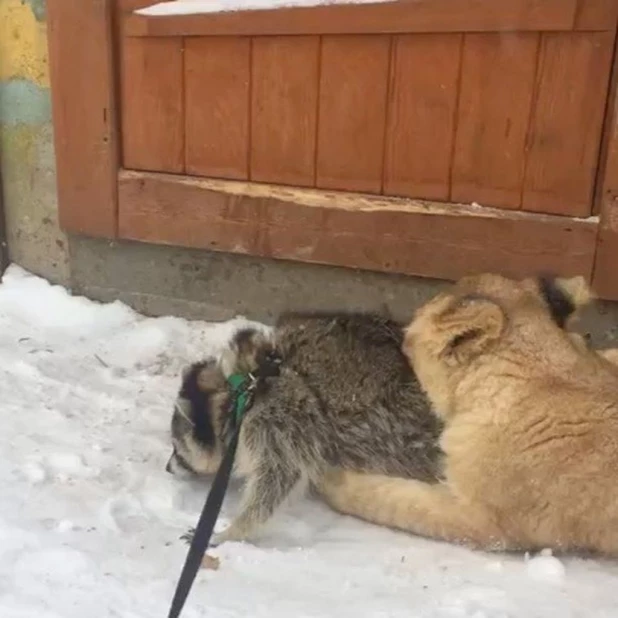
(26, 142)
(219, 286)
(158, 280)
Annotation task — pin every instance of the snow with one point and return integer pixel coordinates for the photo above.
(89, 519)
(192, 7)
(546, 567)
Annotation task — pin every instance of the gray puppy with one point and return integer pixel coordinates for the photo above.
(345, 397)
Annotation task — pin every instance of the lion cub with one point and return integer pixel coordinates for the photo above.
(345, 396)
(531, 427)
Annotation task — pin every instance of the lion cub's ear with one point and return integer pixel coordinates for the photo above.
(469, 327)
(564, 297)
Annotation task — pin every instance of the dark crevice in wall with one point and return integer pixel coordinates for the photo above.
(4, 254)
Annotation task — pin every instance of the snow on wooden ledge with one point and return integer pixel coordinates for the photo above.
(194, 7)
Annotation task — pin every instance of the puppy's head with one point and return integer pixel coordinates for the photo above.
(201, 419)
(199, 412)
(487, 316)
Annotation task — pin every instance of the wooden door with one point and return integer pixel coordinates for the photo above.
(436, 137)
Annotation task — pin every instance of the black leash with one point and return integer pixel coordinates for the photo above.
(204, 529)
(244, 387)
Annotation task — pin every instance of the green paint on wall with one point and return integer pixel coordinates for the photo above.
(38, 8)
(24, 102)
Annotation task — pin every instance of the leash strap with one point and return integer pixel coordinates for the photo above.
(242, 388)
(204, 529)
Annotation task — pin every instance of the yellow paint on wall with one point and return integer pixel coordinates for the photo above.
(23, 44)
(19, 148)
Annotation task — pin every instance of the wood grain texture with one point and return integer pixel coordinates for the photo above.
(284, 108)
(356, 231)
(606, 138)
(497, 82)
(596, 15)
(84, 115)
(152, 104)
(390, 17)
(605, 279)
(217, 95)
(352, 112)
(128, 6)
(567, 123)
(421, 115)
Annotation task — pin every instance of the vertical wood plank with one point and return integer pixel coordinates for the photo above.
(605, 278)
(152, 104)
(284, 106)
(84, 115)
(352, 112)
(596, 15)
(567, 123)
(218, 84)
(606, 134)
(496, 89)
(421, 115)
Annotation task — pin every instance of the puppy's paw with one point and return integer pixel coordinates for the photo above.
(187, 537)
(232, 533)
(215, 540)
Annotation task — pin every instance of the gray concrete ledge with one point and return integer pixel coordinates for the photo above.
(196, 284)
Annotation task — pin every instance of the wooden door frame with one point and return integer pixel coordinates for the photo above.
(98, 198)
(84, 112)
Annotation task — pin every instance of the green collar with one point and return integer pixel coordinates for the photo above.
(241, 388)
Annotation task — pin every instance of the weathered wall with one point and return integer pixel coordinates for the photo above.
(26, 142)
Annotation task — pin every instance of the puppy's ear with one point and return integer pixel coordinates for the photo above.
(469, 326)
(564, 296)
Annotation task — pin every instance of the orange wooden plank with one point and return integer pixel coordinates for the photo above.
(217, 82)
(567, 123)
(352, 112)
(497, 83)
(284, 106)
(596, 15)
(607, 136)
(352, 230)
(388, 17)
(84, 115)
(605, 280)
(126, 6)
(152, 104)
(421, 115)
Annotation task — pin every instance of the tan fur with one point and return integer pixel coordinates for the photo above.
(611, 355)
(531, 436)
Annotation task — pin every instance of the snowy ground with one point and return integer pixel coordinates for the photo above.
(89, 519)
